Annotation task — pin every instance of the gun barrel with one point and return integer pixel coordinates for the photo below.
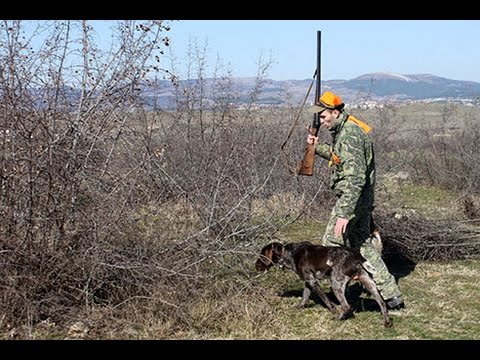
(316, 118)
(306, 166)
(319, 63)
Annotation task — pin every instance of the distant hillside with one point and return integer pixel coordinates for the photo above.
(383, 86)
(375, 87)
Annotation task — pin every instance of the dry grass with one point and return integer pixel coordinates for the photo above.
(441, 298)
(441, 304)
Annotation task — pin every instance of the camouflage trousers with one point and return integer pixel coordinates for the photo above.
(358, 236)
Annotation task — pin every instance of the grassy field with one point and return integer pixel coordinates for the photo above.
(441, 303)
(441, 297)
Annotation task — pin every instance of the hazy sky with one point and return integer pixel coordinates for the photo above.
(350, 48)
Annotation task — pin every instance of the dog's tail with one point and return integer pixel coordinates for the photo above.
(375, 234)
(369, 267)
(377, 241)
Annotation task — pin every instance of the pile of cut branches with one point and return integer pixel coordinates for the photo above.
(419, 239)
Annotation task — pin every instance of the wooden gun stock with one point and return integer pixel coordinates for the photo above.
(306, 165)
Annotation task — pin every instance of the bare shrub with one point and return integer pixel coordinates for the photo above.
(420, 239)
(65, 106)
(110, 202)
(470, 208)
(437, 151)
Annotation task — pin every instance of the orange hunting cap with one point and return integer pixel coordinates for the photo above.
(327, 101)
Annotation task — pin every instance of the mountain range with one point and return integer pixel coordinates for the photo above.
(379, 87)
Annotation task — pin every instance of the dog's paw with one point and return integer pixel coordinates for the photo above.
(388, 324)
(300, 305)
(346, 315)
(333, 310)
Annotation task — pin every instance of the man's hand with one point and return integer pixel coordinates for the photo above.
(312, 139)
(341, 226)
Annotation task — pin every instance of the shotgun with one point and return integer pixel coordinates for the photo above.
(306, 166)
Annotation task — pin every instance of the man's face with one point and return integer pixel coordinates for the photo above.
(328, 117)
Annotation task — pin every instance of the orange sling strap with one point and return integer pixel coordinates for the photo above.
(366, 128)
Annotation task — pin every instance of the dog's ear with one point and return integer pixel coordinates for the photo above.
(269, 255)
(277, 252)
(264, 262)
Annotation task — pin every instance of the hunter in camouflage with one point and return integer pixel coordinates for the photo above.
(351, 159)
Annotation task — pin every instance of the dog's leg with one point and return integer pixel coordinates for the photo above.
(339, 284)
(306, 295)
(368, 283)
(314, 285)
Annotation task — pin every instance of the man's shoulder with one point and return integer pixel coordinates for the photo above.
(351, 129)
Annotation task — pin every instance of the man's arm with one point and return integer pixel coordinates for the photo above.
(323, 150)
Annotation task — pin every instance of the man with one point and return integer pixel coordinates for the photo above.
(351, 159)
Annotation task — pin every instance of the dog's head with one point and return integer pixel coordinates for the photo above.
(270, 255)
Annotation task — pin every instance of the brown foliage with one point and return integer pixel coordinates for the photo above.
(109, 203)
(419, 239)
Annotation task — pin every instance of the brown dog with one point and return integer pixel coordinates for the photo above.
(313, 262)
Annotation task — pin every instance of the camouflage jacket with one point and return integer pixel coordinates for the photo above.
(351, 159)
